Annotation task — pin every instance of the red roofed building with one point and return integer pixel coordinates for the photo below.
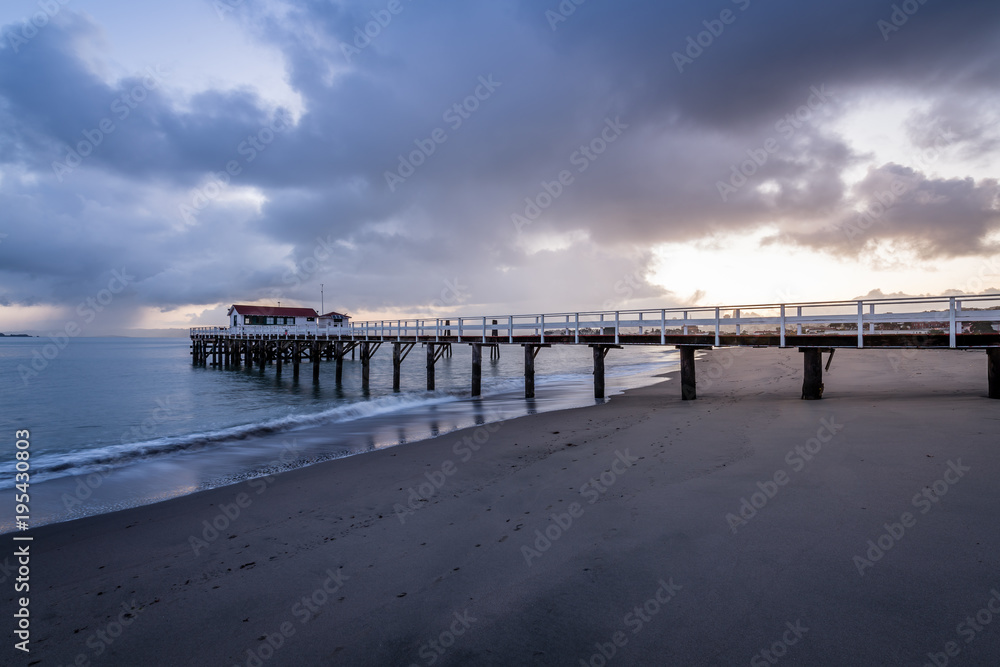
(275, 316)
(278, 320)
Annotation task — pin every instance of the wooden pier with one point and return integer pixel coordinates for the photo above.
(957, 323)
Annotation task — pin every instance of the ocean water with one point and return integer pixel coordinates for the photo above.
(121, 422)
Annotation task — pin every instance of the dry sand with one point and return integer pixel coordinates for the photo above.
(451, 585)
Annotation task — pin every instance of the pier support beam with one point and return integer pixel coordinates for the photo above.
(296, 359)
(368, 351)
(812, 380)
(279, 357)
(477, 369)
(340, 350)
(434, 352)
(338, 360)
(365, 364)
(993, 360)
(689, 377)
(399, 354)
(600, 352)
(314, 358)
(530, 352)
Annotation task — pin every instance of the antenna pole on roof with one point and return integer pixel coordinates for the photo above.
(321, 309)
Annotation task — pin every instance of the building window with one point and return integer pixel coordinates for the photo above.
(290, 320)
(270, 320)
(246, 319)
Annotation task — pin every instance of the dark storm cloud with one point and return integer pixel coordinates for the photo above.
(934, 217)
(547, 89)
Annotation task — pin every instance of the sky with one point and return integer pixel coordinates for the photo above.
(160, 161)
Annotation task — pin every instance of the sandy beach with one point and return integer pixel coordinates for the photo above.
(747, 527)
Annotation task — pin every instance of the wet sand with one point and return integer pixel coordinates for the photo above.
(646, 531)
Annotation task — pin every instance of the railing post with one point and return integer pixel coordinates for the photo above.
(542, 330)
(437, 331)
(684, 324)
(617, 319)
(952, 332)
(798, 327)
(510, 328)
(484, 329)
(718, 326)
(460, 329)
(871, 325)
(663, 326)
(576, 338)
(739, 327)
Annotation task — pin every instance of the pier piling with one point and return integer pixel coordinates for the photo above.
(529, 371)
(530, 352)
(812, 381)
(477, 369)
(399, 353)
(368, 351)
(434, 352)
(689, 378)
(365, 364)
(338, 360)
(993, 362)
(600, 352)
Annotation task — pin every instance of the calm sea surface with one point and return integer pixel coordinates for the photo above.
(120, 422)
